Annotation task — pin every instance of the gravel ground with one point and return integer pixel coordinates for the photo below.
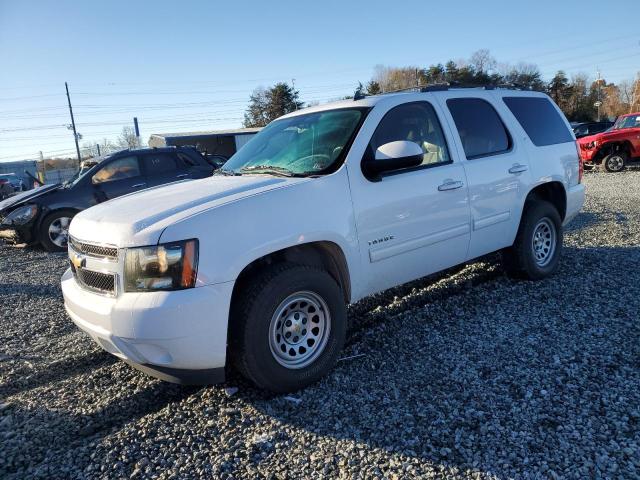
(464, 375)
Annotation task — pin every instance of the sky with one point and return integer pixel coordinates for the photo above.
(192, 65)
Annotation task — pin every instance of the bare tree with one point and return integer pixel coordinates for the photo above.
(128, 139)
(483, 61)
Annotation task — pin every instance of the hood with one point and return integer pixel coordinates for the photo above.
(25, 197)
(139, 218)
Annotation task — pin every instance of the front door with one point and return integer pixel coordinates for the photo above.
(415, 221)
(118, 177)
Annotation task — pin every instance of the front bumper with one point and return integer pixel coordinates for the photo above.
(16, 235)
(179, 336)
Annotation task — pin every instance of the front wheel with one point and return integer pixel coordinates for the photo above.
(288, 327)
(54, 231)
(535, 254)
(614, 162)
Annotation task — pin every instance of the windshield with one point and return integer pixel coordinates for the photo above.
(298, 146)
(627, 122)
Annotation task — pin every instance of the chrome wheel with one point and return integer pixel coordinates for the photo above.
(299, 330)
(59, 231)
(615, 163)
(543, 243)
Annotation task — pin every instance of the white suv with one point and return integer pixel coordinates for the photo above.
(323, 207)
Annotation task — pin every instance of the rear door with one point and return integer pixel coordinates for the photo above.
(161, 168)
(118, 177)
(496, 165)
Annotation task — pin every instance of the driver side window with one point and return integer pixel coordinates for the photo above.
(416, 122)
(126, 167)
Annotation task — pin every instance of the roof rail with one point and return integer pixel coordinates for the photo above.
(439, 87)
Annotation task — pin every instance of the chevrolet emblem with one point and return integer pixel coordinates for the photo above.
(78, 261)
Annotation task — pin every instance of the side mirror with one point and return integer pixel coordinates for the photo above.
(395, 156)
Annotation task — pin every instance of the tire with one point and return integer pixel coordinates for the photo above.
(614, 162)
(282, 301)
(60, 219)
(535, 254)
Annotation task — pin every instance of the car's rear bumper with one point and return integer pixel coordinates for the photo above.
(180, 336)
(575, 201)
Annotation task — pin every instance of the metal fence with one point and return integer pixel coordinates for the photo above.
(59, 175)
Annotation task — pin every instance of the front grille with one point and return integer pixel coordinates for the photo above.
(96, 281)
(94, 250)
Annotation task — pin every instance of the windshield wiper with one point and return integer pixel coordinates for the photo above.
(229, 173)
(272, 170)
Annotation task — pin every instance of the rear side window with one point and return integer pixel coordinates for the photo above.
(158, 163)
(481, 130)
(540, 120)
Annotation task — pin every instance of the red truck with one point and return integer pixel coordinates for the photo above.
(613, 148)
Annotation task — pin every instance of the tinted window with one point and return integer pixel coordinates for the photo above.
(540, 120)
(481, 129)
(126, 167)
(416, 122)
(186, 160)
(158, 163)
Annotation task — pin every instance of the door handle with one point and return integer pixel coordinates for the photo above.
(138, 185)
(182, 175)
(517, 168)
(450, 185)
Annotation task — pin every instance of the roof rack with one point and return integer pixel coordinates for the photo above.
(439, 87)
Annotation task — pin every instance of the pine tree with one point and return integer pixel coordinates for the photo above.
(267, 105)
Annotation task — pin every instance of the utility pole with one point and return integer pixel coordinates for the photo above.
(598, 103)
(73, 124)
(137, 130)
(293, 91)
(98, 147)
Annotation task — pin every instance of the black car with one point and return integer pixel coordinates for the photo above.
(43, 215)
(590, 128)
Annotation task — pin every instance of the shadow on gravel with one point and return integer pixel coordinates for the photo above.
(537, 377)
(22, 377)
(76, 433)
(35, 290)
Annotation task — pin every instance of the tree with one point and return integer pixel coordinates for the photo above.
(526, 75)
(90, 150)
(265, 105)
(482, 61)
(559, 90)
(128, 139)
(373, 88)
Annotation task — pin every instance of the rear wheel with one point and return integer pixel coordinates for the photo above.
(54, 231)
(535, 254)
(614, 162)
(288, 327)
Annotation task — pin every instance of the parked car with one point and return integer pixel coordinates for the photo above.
(15, 181)
(613, 149)
(323, 207)
(43, 215)
(590, 128)
(6, 188)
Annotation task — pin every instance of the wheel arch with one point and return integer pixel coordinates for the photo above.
(553, 192)
(611, 147)
(325, 254)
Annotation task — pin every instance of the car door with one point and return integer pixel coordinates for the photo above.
(415, 221)
(118, 177)
(496, 166)
(192, 166)
(161, 168)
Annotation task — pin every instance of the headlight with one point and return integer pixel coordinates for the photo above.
(171, 266)
(21, 215)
